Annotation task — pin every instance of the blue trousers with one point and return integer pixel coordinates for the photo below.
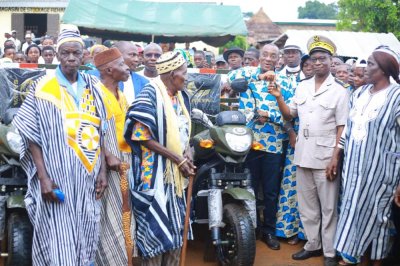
(266, 170)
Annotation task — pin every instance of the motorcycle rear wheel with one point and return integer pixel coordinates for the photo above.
(239, 233)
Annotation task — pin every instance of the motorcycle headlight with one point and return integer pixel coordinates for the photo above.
(238, 143)
(14, 141)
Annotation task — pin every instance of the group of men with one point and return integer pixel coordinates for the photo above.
(72, 125)
(79, 135)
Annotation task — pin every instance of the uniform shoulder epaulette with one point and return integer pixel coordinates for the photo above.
(343, 84)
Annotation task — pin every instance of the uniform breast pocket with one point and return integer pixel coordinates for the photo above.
(324, 148)
(327, 109)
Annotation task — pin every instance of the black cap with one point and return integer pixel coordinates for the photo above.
(233, 50)
(303, 60)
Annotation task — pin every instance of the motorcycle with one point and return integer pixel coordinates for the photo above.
(223, 197)
(15, 227)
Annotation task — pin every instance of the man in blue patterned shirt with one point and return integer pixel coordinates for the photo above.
(265, 164)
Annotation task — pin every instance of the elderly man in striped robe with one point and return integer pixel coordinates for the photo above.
(62, 123)
(158, 130)
(116, 244)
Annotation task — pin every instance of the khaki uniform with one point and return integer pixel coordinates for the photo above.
(319, 114)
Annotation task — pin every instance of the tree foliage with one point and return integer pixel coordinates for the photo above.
(239, 41)
(247, 14)
(369, 15)
(317, 10)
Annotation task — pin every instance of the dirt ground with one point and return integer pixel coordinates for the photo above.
(264, 255)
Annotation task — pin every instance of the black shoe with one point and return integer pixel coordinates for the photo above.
(271, 241)
(258, 233)
(304, 254)
(328, 261)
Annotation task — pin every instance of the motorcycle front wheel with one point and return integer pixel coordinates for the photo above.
(239, 237)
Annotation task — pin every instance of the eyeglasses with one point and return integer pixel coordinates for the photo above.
(150, 55)
(321, 59)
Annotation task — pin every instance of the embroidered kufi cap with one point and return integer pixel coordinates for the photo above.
(69, 33)
(106, 56)
(319, 43)
(169, 62)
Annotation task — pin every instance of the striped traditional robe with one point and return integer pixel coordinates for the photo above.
(159, 212)
(64, 233)
(112, 248)
(371, 172)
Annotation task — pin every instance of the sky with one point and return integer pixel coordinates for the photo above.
(277, 10)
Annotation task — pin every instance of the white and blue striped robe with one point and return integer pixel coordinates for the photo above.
(371, 172)
(65, 234)
(112, 248)
(159, 212)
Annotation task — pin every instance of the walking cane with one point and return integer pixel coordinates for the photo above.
(126, 211)
(186, 226)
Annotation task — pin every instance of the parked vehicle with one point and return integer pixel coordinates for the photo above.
(14, 221)
(223, 197)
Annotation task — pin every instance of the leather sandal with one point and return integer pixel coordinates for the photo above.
(294, 240)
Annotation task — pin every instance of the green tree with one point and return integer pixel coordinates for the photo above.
(317, 10)
(247, 14)
(369, 15)
(239, 41)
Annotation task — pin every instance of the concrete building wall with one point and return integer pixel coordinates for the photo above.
(15, 20)
(5, 22)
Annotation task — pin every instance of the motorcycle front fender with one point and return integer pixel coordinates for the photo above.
(239, 193)
(15, 201)
(248, 199)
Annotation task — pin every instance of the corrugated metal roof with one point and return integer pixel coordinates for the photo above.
(34, 3)
(349, 44)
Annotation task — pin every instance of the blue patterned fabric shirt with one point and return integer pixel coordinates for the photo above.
(270, 134)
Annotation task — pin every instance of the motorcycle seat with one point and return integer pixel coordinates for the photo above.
(230, 118)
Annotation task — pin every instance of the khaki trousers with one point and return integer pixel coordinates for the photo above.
(318, 198)
(169, 258)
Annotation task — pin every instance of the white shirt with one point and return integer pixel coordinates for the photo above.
(25, 46)
(129, 90)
